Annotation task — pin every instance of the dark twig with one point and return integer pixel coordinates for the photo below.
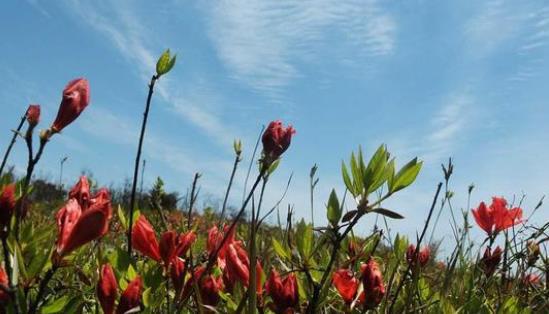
(42, 289)
(138, 159)
(12, 142)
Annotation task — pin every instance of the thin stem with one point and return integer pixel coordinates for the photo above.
(137, 160)
(12, 142)
(42, 289)
(237, 159)
(193, 200)
(401, 283)
(252, 305)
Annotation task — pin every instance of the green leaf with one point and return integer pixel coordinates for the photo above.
(165, 63)
(406, 175)
(387, 212)
(280, 250)
(357, 175)
(273, 166)
(305, 239)
(147, 297)
(122, 218)
(131, 274)
(333, 209)
(347, 179)
(55, 306)
(373, 175)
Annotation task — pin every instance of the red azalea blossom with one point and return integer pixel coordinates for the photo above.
(497, 217)
(131, 297)
(77, 227)
(168, 246)
(4, 281)
(346, 284)
(107, 289)
(33, 115)
(144, 239)
(283, 292)
(531, 279)
(209, 287)
(81, 192)
(7, 205)
(177, 274)
(276, 139)
(185, 242)
(490, 260)
(372, 280)
(76, 97)
(422, 256)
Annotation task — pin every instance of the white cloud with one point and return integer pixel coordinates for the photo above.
(261, 42)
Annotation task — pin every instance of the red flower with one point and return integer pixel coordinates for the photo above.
(4, 281)
(497, 217)
(422, 256)
(531, 279)
(283, 292)
(490, 260)
(168, 246)
(215, 237)
(7, 205)
(76, 97)
(131, 297)
(276, 140)
(107, 289)
(144, 239)
(346, 284)
(81, 192)
(33, 115)
(238, 264)
(185, 242)
(76, 227)
(177, 274)
(372, 280)
(209, 287)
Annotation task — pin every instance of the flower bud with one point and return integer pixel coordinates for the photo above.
(76, 97)
(107, 289)
(165, 63)
(7, 205)
(144, 239)
(372, 280)
(276, 140)
(131, 297)
(283, 292)
(533, 252)
(33, 115)
(422, 257)
(346, 284)
(490, 261)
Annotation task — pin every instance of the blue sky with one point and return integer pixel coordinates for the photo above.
(431, 79)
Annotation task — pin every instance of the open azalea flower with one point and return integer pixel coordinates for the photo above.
(77, 226)
(497, 217)
(346, 284)
(372, 280)
(283, 292)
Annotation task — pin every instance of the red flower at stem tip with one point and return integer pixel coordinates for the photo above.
(107, 289)
(33, 115)
(76, 97)
(144, 239)
(131, 297)
(372, 280)
(346, 284)
(283, 292)
(7, 205)
(276, 140)
(76, 227)
(497, 217)
(422, 256)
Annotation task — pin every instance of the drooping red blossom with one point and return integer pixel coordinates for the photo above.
(7, 205)
(372, 280)
(4, 281)
(33, 115)
(107, 289)
(177, 274)
(215, 238)
(131, 297)
(531, 280)
(168, 246)
(185, 242)
(209, 287)
(497, 217)
(144, 239)
(283, 292)
(346, 284)
(76, 227)
(276, 140)
(81, 192)
(490, 260)
(422, 256)
(238, 264)
(76, 97)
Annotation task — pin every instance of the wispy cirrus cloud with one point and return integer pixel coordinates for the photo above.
(262, 43)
